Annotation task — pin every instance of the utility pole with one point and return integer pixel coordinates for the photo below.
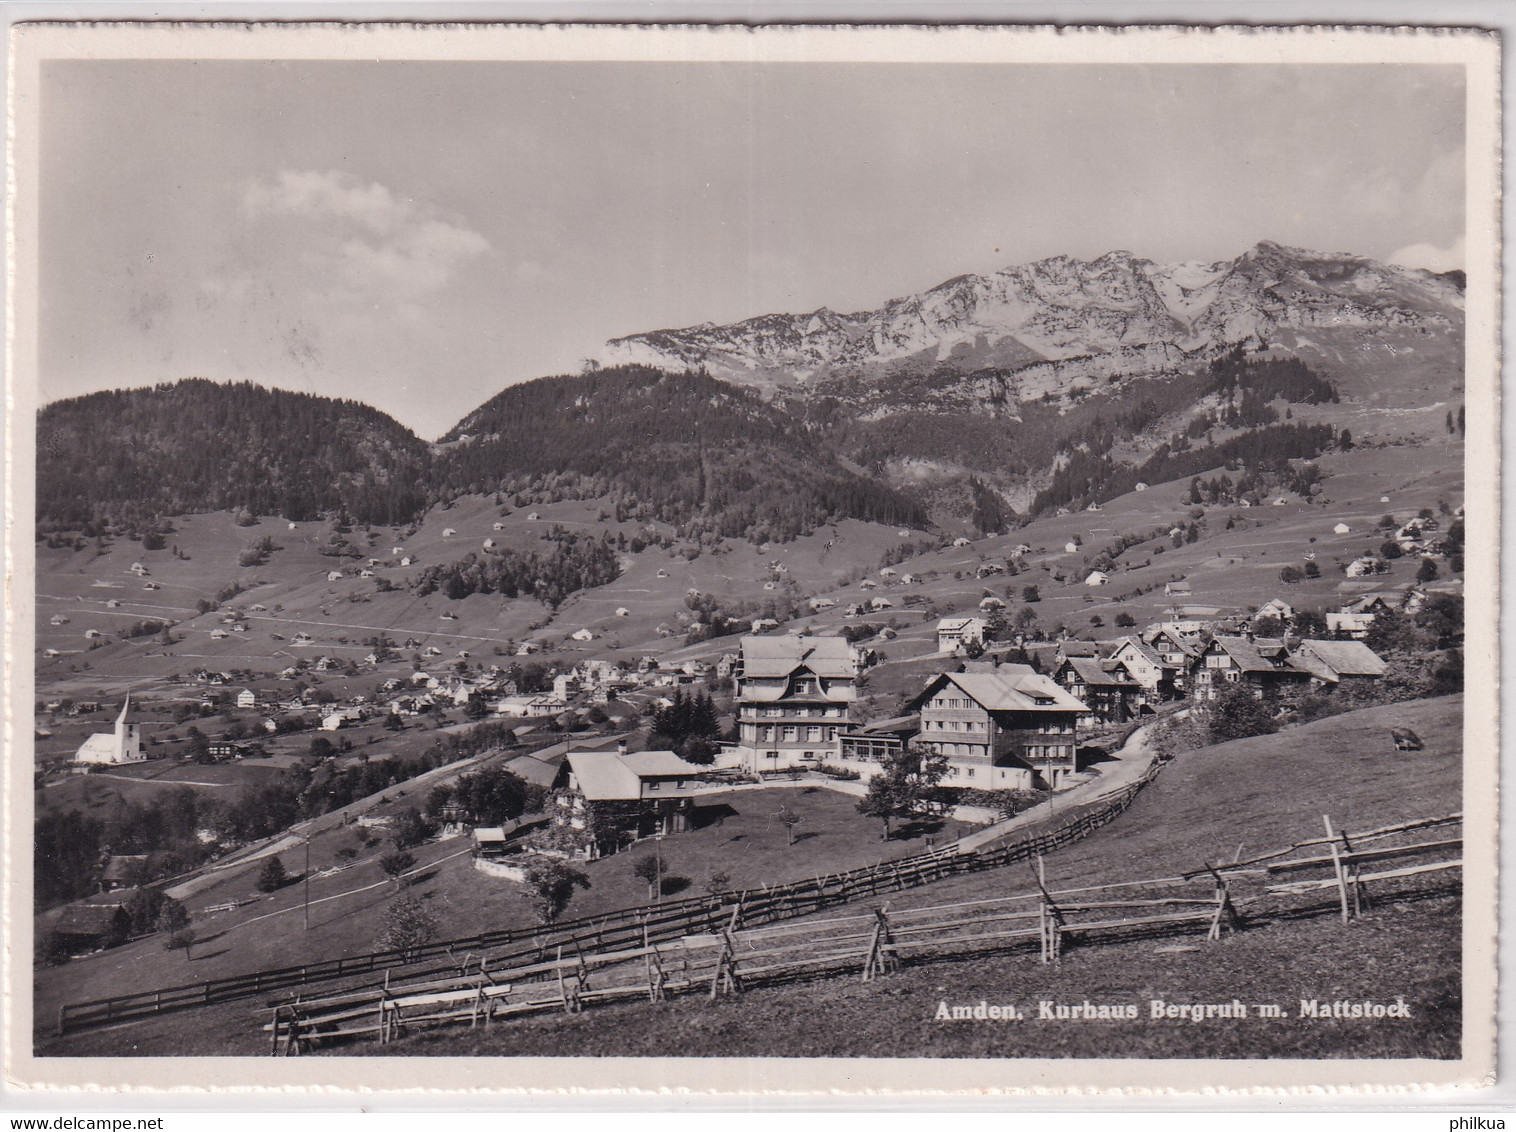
(306, 881)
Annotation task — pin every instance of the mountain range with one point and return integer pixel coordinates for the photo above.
(1115, 315)
(929, 409)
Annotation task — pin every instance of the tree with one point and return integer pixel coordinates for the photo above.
(271, 877)
(1125, 620)
(407, 926)
(901, 788)
(1309, 623)
(395, 863)
(1345, 441)
(1290, 575)
(1311, 569)
(1268, 626)
(1029, 594)
(718, 881)
(1391, 632)
(650, 870)
(412, 829)
(1238, 713)
(1427, 572)
(552, 883)
(174, 923)
(1390, 549)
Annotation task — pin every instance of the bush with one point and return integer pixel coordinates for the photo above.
(1238, 714)
(407, 926)
(842, 773)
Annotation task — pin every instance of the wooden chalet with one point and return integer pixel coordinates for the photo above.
(1104, 686)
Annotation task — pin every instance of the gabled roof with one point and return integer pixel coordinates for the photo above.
(1245, 654)
(1332, 659)
(535, 771)
(779, 656)
(89, 919)
(1093, 672)
(954, 624)
(605, 776)
(1188, 648)
(1011, 687)
(1142, 649)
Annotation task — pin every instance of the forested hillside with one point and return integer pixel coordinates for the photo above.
(126, 457)
(683, 448)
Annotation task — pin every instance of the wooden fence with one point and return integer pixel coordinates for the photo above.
(667, 920)
(728, 958)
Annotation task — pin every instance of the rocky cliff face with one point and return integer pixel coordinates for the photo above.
(1061, 317)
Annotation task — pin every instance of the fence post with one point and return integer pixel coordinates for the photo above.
(1342, 877)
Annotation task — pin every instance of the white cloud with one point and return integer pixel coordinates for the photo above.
(1431, 257)
(363, 242)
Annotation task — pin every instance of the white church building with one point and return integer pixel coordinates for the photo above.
(123, 745)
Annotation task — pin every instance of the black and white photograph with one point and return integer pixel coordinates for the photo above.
(900, 556)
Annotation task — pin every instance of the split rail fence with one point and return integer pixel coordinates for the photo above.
(667, 920)
(728, 958)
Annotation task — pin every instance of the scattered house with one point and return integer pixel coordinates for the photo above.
(334, 575)
(1140, 486)
(1332, 663)
(336, 721)
(793, 694)
(219, 634)
(623, 611)
(888, 572)
(527, 648)
(582, 635)
(140, 570)
(1341, 529)
(497, 526)
(1097, 578)
(989, 603)
(247, 698)
(879, 603)
(988, 569)
(1354, 626)
(662, 573)
(93, 635)
(124, 744)
(123, 872)
(406, 561)
(868, 584)
(489, 544)
(817, 604)
(1000, 730)
(532, 517)
(764, 624)
(58, 619)
(115, 602)
(448, 532)
(1071, 548)
(611, 798)
(1181, 588)
(365, 573)
(1405, 739)
(1366, 565)
(1280, 502)
(1277, 607)
(93, 924)
(1103, 686)
(960, 541)
(954, 633)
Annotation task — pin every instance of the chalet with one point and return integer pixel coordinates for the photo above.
(149, 586)
(1000, 730)
(448, 532)
(793, 695)
(1097, 578)
(1365, 565)
(406, 561)
(878, 603)
(888, 572)
(58, 619)
(1278, 607)
(1181, 588)
(529, 706)
(1335, 663)
(140, 570)
(489, 544)
(1160, 679)
(535, 771)
(334, 575)
(990, 603)
(764, 624)
(115, 602)
(1139, 486)
(532, 517)
(1341, 529)
(988, 569)
(1263, 665)
(623, 611)
(868, 584)
(365, 573)
(247, 698)
(1103, 686)
(817, 604)
(960, 541)
(1071, 548)
(610, 798)
(582, 635)
(93, 635)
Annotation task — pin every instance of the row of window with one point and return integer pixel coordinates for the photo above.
(789, 734)
(794, 710)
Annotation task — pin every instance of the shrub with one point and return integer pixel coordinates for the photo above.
(407, 926)
(271, 877)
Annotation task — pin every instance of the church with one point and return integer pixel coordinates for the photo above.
(123, 745)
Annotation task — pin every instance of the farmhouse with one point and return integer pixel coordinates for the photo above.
(609, 799)
(1333, 663)
(247, 698)
(954, 633)
(528, 707)
(1278, 607)
(1263, 665)
(91, 924)
(1365, 565)
(1001, 730)
(583, 635)
(122, 745)
(1097, 578)
(123, 872)
(1159, 677)
(1181, 588)
(1103, 686)
(793, 695)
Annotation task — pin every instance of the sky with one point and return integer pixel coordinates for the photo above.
(420, 235)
